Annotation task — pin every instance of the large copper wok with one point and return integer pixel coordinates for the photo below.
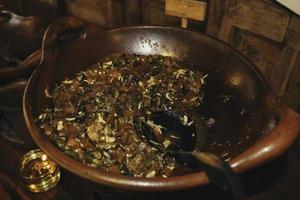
(250, 126)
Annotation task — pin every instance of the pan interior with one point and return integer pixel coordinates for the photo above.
(237, 104)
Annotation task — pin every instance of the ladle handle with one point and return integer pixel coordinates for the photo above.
(217, 171)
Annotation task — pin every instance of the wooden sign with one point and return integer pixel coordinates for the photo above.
(186, 9)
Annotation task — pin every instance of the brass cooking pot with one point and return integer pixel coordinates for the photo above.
(251, 128)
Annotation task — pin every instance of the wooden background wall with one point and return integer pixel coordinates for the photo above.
(266, 32)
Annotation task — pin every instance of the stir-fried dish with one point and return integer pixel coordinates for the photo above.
(92, 115)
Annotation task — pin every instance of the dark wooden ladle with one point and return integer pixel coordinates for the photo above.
(179, 141)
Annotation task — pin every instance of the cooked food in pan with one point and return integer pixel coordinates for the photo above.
(93, 116)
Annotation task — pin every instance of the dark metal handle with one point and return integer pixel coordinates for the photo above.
(218, 171)
(62, 31)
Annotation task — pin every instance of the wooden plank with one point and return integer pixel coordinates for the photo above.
(226, 29)
(258, 17)
(114, 13)
(216, 11)
(291, 94)
(293, 34)
(154, 14)
(133, 12)
(186, 9)
(105, 13)
(285, 78)
(90, 10)
(263, 53)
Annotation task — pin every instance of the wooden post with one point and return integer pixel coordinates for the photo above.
(184, 22)
(186, 9)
